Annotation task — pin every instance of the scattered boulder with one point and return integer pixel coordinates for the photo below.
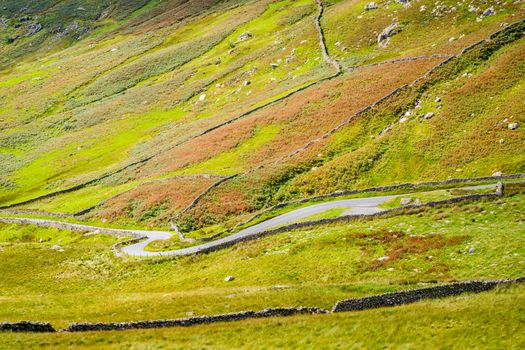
(274, 65)
(244, 36)
(383, 258)
(497, 173)
(371, 6)
(488, 12)
(471, 251)
(202, 97)
(513, 126)
(406, 201)
(501, 141)
(437, 100)
(429, 115)
(229, 278)
(403, 2)
(56, 247)
(33, 28)
(383, 39)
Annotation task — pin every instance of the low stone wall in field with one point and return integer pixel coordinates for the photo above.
(414, 295)
(27, 326)
(73, 227)
(192, 321)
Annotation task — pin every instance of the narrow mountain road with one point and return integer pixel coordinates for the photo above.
(357, 206)
(354, 206)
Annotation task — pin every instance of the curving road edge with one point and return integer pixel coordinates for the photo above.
(368, 206)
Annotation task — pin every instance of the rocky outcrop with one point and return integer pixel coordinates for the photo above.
(383, 39)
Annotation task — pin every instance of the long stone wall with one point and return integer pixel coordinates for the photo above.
(415, 295)
(26, 326)
(347, 305)
(74, 227)
(192, 321)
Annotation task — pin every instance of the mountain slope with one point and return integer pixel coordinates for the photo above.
(158, 90)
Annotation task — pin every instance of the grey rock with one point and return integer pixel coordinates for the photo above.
(497, 173)
(229, 278)
(243, 37)
(429, 115)
(56, 247)
(403, 2)
(274, 65)
(371, 6)
(489, 12)
(33, 28)
(513, 126)
(406, 201)
(383, 38)
(471, 251)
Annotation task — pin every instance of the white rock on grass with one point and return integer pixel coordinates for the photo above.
(383, 38)
(371, 6)
(406, 201)
(513, 126)
(244, 37)
(229, 278)
(489, 12)
(497, 173)
(56, 247)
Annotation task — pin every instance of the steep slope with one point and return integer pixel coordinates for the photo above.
(159, 90)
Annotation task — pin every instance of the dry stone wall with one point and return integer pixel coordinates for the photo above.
(355, 304)
(192, 321)
(27, 326)
(414, 295)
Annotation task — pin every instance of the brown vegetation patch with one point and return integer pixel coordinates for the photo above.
(155, 202)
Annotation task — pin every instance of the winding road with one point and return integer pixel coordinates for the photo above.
(354, 206)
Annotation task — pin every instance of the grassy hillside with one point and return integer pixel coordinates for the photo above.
(137, 113)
